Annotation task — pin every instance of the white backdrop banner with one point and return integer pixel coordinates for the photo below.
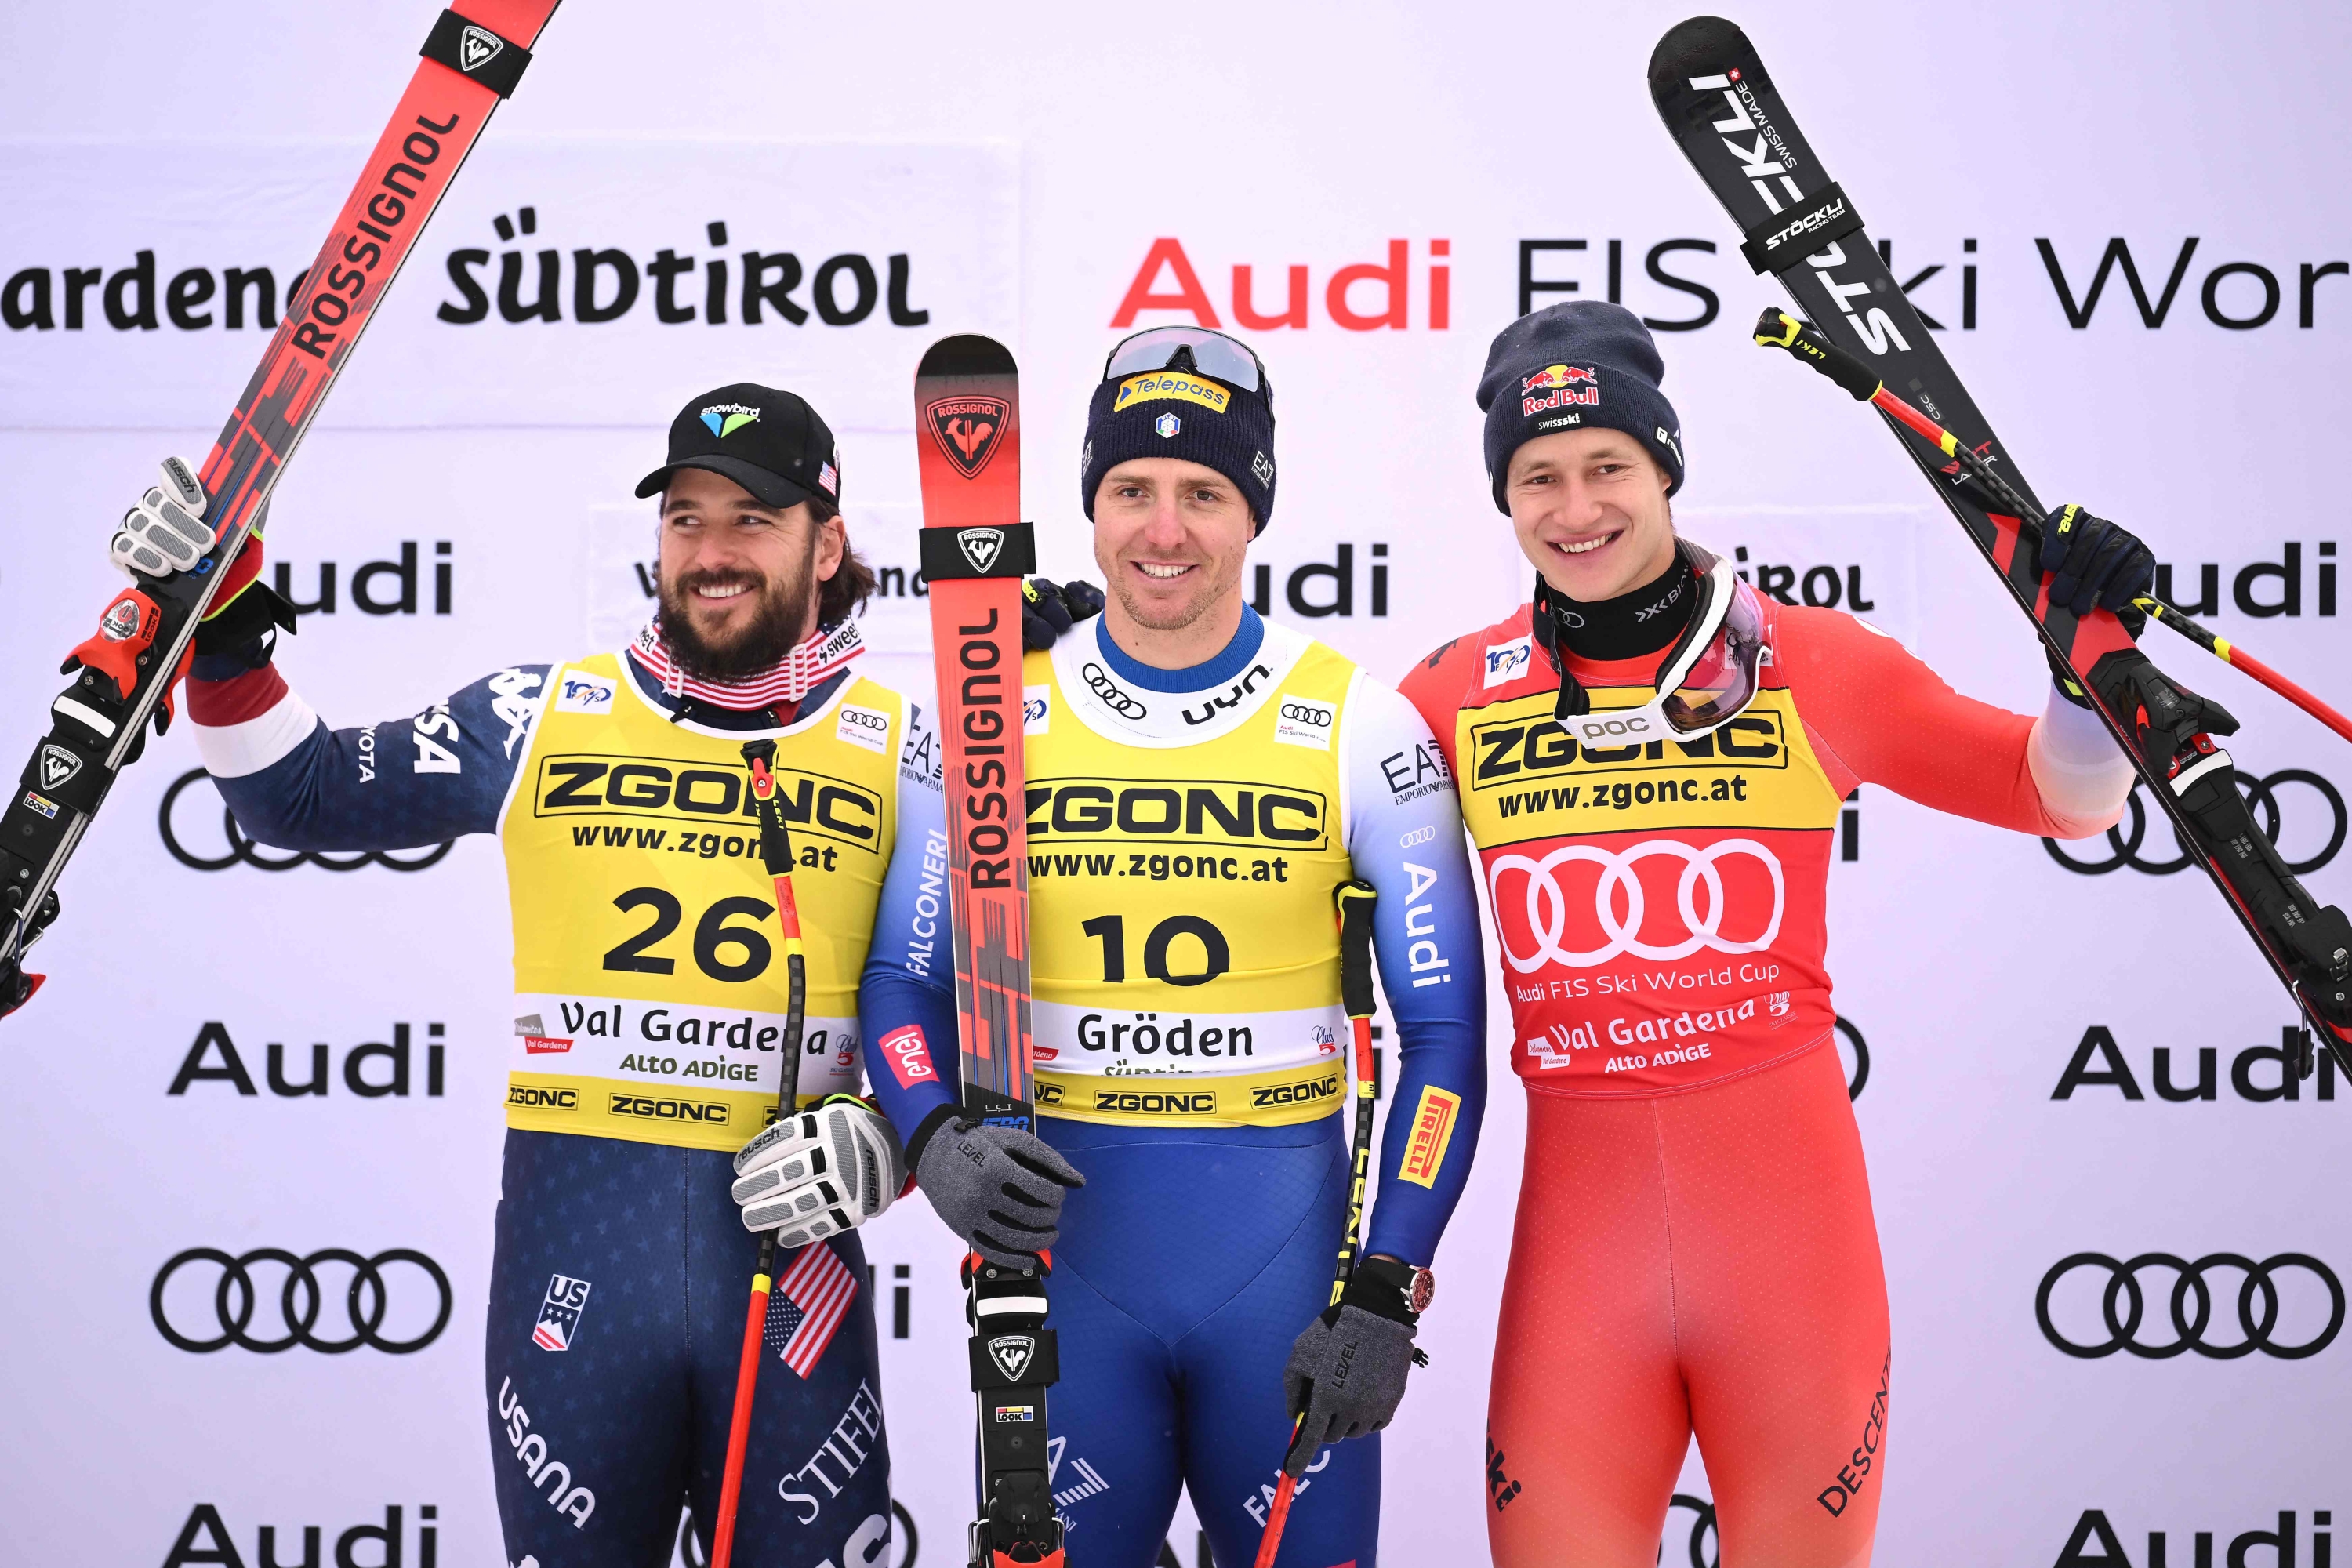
(2061, 1055)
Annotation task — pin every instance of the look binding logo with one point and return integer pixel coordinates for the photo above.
(969, 430)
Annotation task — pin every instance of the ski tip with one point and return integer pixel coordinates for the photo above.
(1704, 46)
(965, 355)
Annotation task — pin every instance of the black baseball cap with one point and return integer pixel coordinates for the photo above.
(770, 442)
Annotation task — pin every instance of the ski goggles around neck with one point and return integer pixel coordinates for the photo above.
(1193, 348)
(1705, 680)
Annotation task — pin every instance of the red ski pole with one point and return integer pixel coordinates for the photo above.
(1354, 908)
(776, 854)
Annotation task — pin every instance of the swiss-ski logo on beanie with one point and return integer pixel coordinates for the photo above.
(1170, 384)
(1560, 386)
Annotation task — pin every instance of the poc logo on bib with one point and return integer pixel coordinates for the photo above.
(1304, 722)
(1505, 662)
(863, 727)
(580, 693)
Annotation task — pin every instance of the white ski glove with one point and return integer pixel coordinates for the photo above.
(829, 1169)
(165, 531)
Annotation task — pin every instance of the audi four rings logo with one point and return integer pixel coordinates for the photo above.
(244, 850)
(1113, 694)
(302, 1301)
(1299, 713)
(865, 719)
(1546, 902)
(2123, 1304)
(2262, 798)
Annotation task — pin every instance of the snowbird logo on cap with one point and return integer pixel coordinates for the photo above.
(1013, 1352)
(968, 430)
(979, 545)
(726, 418)
(1557, 375)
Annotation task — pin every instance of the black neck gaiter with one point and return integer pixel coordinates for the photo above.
(1646, 620)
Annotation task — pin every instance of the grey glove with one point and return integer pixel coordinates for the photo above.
(997, 1187)
(1346, 1371)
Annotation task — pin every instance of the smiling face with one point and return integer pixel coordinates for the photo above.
(737, 577)
(1590, 509)
(1170, 537)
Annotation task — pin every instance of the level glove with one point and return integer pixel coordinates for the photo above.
(165, 532)
(1346, 1371)
(2091, 561)
(1047, 612)
(999, 1188)
(830, 1168)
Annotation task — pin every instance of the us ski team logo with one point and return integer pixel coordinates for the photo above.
(1013, 1352)
(477, 47)
(981, 546)
(559, 1315)
(968, 430)
(57, 764)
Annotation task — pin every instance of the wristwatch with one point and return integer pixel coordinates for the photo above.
(1390, 1281)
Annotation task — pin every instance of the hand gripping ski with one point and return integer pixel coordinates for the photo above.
(1723, 109)
(146, 635)
(976, 553)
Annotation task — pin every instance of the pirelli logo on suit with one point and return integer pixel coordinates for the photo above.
(1201, 812)
(698, 794)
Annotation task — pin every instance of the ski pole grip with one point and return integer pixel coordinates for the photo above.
(1355, 900)
(1776, 329)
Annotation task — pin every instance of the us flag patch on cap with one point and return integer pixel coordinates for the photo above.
(559, 1315)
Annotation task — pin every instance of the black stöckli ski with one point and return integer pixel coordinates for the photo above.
(146, 635)
(1719, 103)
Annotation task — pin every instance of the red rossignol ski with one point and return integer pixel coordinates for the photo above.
(975, 552)
(1723, 109)
(146, 635)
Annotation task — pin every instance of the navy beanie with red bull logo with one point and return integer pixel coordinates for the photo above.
(1575, 367)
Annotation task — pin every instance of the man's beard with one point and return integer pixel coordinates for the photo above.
(1221, 577)
(782, 607)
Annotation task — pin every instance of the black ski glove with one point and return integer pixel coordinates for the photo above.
(2091, 561)
(1047, 613)
(1347, 1370)
(999, 1188)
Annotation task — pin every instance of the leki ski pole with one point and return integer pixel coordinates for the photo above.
(1778, 329)
(776, 854)
(1355, 900)
(125, 672)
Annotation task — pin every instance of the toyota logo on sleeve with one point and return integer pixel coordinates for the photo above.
(1546, 908)
(2263, 798)
(270, 1299)
(240, 851)
(2281, 1322)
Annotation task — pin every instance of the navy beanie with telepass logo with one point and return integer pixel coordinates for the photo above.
(1181, 413)
(1574, 366)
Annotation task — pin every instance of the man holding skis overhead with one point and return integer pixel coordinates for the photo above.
(649, 990)
(1199, 783)
(1653, 760)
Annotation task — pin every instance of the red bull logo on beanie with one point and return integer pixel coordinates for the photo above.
(1560, 386)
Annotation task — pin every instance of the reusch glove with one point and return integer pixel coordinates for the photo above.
(2090, 561)
(998, 1187)
(1347, 1370)
(165, 532)
(829, 1169)
(1047, 613)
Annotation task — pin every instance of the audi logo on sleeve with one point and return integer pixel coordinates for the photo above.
(332, 1300)
(2157, 1306)
(186, 834)
(1536, 910)
(2317, 810)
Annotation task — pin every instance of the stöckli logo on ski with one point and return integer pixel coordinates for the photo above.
(981, 546)
(967, 429)
(57, 764)
(477, 47)
(1012, 1353)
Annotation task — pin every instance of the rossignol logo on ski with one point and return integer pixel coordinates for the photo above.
(1012, 1353)
(57, 764)
(477, 47)
(981, 546)
(967, 429)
